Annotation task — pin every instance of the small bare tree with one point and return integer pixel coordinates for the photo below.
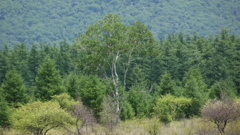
(221, 112)
(84, 117)
(108, 114)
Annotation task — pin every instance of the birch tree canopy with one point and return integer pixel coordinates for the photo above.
(109, 45)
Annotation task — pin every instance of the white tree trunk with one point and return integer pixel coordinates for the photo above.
(115, 80)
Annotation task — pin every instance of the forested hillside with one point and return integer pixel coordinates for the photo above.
(50, 21)
(116, 72)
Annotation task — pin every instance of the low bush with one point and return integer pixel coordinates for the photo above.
(153, 127)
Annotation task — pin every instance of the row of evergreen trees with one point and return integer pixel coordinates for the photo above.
(191, 66)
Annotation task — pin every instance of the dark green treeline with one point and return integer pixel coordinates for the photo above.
(182, 65)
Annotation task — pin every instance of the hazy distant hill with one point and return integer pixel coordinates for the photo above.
(51, 20)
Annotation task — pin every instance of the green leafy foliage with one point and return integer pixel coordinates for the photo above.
(50, 21)
(40, 117)
(64, 100)
(168, 106)
(103, 41)
(108, 47)
(126, 62)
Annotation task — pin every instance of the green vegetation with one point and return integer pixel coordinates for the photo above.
(50, 21)
(194, 88)
(115, 73)
(4, 113)
(13, 88)
(168, 106)
(167, 85)
(92, 90)
(40, 117)
(154, 127)
(48, 81)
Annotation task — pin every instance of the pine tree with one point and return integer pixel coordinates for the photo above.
(140, 99)
(33, 62)
(236, 65)
(196, 89)
(48, 81)
(64, 62)
(19, 60)
(92, 90)
(14, 89)
(136, 77)
(167, 85)
(72, 86)
(219, 58)
(223, 89)
(4, 112)
(5, 63)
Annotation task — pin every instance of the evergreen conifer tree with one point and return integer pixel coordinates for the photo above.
(196, 89)
(19, 59)
(14, 89)
(64, 61)
(223, 89)
(33, 62)
(5, 63)
(4, 112)
(167, 85)
(48, 81)
(72, 85)
(92, 90)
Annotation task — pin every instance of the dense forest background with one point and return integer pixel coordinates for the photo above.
(50, 21)
(159, 60)
(112, 57)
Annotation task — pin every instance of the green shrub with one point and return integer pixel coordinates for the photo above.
(167, 106)
(153, 127)
(40, 117)
(127, 111)
(4, 115)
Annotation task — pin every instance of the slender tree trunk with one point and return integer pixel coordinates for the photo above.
(115, 80)
(116, 88)
(78, 130)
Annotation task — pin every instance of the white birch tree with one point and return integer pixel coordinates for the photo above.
(109, 44)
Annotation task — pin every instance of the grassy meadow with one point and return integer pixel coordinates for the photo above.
(194, 126)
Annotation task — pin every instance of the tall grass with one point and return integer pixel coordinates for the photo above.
(144, 126)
